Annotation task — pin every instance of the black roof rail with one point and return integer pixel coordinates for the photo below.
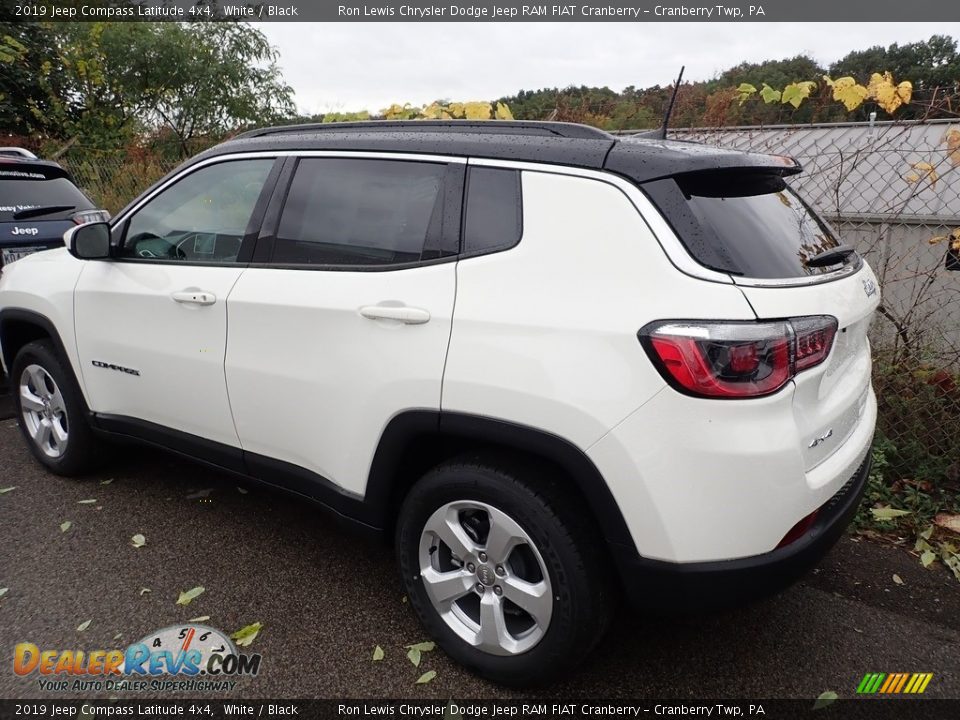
(483, 127)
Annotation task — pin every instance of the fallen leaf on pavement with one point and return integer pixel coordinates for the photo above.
(377, 653)
(246, 635)
(190, 595)
(422, 647)
(138, 540)
(426, 677)
(66, 525)
(84, 625)
(826, 698)
(887, 513)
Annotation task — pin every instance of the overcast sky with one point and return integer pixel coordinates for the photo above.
(356, 66)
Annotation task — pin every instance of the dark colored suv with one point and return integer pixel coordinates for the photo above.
(38, 203)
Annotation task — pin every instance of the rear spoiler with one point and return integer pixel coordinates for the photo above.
(14, 168)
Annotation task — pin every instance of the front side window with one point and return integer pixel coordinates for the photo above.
(201, 218)
(359, 212)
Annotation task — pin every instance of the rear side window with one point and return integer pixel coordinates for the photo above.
(748, 224)
(359, 212)
(494, 213)
(19, 193)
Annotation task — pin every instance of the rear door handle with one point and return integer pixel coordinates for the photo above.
(194, 297)
(403, 314)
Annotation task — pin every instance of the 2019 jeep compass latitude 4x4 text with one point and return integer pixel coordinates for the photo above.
(551, 365)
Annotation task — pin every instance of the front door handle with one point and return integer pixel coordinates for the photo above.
(194, 297)
(402, 313)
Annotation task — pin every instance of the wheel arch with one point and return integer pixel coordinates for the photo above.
(19, 327)
(414, 441)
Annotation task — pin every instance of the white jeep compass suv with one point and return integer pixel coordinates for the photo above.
(552, 365)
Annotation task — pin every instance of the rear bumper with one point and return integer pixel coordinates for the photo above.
(685, 587)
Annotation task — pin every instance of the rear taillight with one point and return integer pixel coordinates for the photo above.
(82, 217)
(737, 359)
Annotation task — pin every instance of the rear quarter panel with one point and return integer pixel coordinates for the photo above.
(545, 334)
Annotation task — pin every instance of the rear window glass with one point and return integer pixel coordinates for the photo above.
(17, 194)
(359, 212)
(494, 218)
(748, 224)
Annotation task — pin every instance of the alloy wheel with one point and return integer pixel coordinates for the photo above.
(485, 577)
(44, 411)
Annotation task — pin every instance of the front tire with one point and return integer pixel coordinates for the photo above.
(51, 412)
(503, 570)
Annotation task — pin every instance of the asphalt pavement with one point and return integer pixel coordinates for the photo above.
(327, 599)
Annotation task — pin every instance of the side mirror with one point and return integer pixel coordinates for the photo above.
(90, 241)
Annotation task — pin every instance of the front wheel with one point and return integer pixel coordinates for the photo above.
(51, 411)
(502, 571)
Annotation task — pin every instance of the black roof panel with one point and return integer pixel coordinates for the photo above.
(501, 127)
(639, 159)
(579, 152)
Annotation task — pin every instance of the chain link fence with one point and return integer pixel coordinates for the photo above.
(112, 181)
(892, 190)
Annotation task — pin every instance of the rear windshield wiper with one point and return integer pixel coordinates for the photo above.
(833, 256)
(42, 210)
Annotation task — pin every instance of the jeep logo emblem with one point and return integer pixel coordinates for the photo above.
(24, 231)
(869, 287)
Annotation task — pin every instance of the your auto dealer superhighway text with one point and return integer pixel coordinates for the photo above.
(493, 710)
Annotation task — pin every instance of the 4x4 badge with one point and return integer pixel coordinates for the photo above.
(869, 287)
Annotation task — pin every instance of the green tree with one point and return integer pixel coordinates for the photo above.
(105, 83)
(23, 96)
(933, 66)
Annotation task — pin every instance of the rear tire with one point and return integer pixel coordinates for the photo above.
(51, 411)
(519, 616)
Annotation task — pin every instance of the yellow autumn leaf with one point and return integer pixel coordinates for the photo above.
(746, 91)
(477, 110)
(905, 91)
(888, 95)
(847, 91)
(925, 171)
(769, 94)
(796, 93)
(953, 237)
(952, 139)
(432, 112)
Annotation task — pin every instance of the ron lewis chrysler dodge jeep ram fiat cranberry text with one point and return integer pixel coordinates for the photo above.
(551, 365)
